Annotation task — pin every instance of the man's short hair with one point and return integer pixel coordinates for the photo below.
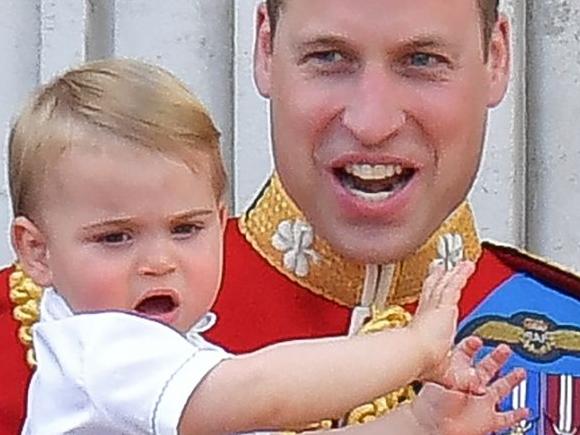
(488, 9)
(128, 99)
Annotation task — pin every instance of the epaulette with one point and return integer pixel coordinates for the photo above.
(549, 273)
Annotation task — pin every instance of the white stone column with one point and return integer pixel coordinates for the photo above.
(498, 196)
(19, 44)
(252, 154)
(191, 38)
(100, 29)
(62, 32)
(553, 130)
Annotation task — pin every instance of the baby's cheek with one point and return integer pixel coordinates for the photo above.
(104, 290)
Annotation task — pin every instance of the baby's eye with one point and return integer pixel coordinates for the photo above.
(116, 238)
(186, 229)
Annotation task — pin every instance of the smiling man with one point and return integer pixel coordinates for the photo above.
(378, 111)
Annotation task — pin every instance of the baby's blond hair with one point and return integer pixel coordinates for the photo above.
(128, 99)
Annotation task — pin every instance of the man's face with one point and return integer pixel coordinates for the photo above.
(131, 229)
(378, 114)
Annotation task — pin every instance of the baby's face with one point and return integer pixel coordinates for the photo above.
(131, 229)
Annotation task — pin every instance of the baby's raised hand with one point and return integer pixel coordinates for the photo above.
(435, 320)
(445, 412)
(457, 371)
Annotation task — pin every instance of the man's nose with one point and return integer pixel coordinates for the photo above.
(374, 112)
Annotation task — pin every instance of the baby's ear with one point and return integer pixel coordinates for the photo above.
(32, 251)
(223, 215)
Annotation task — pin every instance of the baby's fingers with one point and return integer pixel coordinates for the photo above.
(489, 366)
(506, 420)
(450, 286)
(503, 386)
(469, 347)
(500, 389)
(430, 284)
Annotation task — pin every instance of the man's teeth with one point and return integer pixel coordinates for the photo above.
(379, 196)
(373, 172)
(374, 182)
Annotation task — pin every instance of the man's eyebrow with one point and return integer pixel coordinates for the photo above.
(316, 39)
(418, 42)
(427, 41)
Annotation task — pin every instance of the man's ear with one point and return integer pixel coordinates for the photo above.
(263, 48)
(32, 250)
(499, 61)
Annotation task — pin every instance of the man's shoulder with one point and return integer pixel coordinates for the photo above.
(544, 273)
(534, 309)
(5, 274)
(232, 231)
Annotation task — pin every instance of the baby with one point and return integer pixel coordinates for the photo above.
(118, 188)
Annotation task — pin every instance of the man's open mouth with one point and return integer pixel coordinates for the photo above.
(157, 304)
(374, 182)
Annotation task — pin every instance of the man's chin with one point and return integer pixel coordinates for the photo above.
(373, 249)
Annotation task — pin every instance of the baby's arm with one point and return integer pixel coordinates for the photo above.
(438, 411)
(296, 383)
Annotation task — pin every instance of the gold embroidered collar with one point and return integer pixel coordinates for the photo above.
(272, 227)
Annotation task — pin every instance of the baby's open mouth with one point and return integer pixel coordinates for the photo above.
(162, 305)
(157, 304)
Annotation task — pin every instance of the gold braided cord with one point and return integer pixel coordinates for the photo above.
(25, 294)
(381, 406)
(391, 317)
(322, 426)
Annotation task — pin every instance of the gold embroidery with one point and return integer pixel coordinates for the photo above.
(536, 335)
(335, 277)
(343, 285)
(25, 294)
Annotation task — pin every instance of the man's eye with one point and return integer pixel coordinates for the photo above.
(114, 238)
(328, 62)
(423, 60)
(325, 57)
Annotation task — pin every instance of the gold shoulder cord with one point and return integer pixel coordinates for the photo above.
(391, 317)
(25, 294)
